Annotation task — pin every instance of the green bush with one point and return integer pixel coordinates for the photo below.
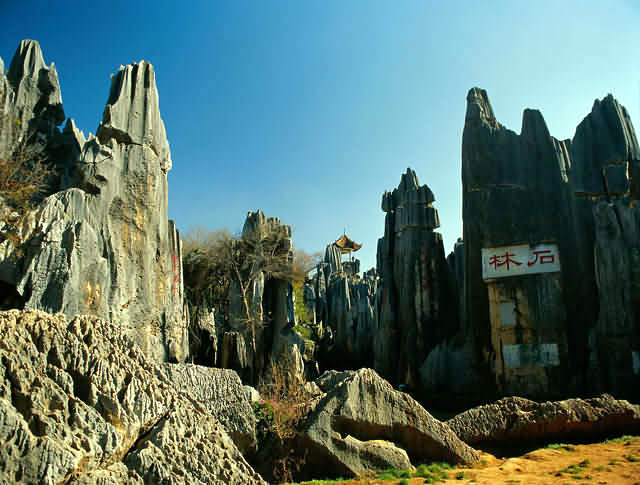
(432, 473)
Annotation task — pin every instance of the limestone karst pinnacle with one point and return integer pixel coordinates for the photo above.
(101, 243)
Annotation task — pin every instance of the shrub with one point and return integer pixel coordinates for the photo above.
(24, 178)
(279, 414)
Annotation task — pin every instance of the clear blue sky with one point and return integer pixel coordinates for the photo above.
(310, 110)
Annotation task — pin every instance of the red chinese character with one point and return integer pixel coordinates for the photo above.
(498, 261)
(546, 257)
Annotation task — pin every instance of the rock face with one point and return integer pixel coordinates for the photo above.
(81, 403)
(514, 421)
(416, 308)
(222, 394)
(230, 342)
(345, 302)
(549, 261)
(101, 243)
(30, 98)
(362, 424)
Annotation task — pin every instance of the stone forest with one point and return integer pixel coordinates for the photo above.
(130, 356)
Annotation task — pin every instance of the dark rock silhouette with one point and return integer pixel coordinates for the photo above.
(416, 306)
(569, 327)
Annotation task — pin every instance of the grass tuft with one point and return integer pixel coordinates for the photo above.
(432, 473)
(561, 447)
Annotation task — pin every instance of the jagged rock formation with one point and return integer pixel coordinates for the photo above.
(361, 424)
(345, 306)
(222, 394)
(30, 98)
(514, 421)
(101, 242)
(550, 258)
(416, 308)
(80, 403)
(257, 334)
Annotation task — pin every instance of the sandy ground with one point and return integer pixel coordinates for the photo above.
(602, 463)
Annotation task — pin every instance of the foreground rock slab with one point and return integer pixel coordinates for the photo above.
(363, 424)
(219, 391)
(80, 403)
(515, 420)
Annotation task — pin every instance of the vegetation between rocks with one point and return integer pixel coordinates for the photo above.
(24, 177)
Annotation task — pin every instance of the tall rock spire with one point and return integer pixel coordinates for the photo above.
(132, 113)
(102, 243)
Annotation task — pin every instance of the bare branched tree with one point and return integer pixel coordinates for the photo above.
(24, 176)
(214, 261)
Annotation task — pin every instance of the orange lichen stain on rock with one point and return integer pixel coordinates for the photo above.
(93, 296)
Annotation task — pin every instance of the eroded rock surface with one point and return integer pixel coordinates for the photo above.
(81, 403)
(362, 424)
(518, 421)
(345, 302)
(101, 242)
(570, 327)
(221, 393)
(416, 307)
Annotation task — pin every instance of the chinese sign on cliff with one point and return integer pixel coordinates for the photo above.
(519, 260)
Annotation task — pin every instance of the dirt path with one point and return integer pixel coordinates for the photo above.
(602, 463)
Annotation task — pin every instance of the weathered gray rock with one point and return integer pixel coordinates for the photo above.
(251, 394)
(221, 393)
(415, 302)
(81, 403)
(203, 337)
(329, 379)
(345, 302)
(253, 348)
(30, 98)
(614, 338)
(514, 421)
(362, 424)
(309, 300)
(101, 243)
(136, 119)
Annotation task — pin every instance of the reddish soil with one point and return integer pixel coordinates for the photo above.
(603, 463)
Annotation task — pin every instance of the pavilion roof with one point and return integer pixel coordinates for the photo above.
(346, 244)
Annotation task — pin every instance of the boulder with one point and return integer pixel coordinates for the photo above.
(251, 394)
(81, 403)
(515, 421)
(222, 394)
(363, 424)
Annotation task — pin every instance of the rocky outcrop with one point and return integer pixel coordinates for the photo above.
(222, 394)
(416, 309)
(362, 424)
(101, 242)
(255, 346)
(81, 403)
(549, 303)
(345, 303)
(30, 99)
(515, 421)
